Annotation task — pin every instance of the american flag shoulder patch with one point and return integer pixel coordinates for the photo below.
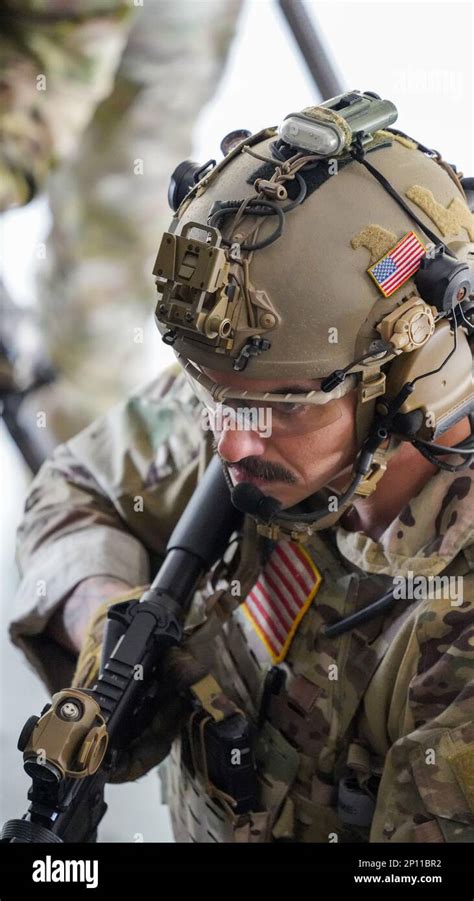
(281, 596)
(396, 267)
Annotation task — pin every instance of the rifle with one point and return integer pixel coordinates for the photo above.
(70, 750)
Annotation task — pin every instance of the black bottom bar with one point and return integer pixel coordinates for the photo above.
(364, 870)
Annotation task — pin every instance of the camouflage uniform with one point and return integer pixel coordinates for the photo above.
(111, 90)
(388, 705)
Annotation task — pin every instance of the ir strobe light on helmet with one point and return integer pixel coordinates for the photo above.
(330, 128)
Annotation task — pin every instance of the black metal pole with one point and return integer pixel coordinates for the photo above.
(311, 45)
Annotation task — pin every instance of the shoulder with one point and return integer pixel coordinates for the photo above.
(143, 457)
(160, 422)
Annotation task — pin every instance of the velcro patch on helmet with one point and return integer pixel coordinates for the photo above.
(398, 265)
(449, 220)
(376, 239)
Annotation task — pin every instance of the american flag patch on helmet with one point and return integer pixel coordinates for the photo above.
(281, 596)
(396, 267)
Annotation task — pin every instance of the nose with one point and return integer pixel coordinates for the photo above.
(235, 444)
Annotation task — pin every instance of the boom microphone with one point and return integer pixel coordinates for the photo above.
(249, 499)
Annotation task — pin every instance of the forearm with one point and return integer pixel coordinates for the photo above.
(80, 523)
(68, 625)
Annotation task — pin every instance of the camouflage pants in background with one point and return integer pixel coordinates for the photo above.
(109, 207)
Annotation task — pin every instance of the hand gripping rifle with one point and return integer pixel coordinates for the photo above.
(70, 750)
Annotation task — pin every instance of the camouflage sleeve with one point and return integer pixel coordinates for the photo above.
(427, 789)
(105, 504)
(58, 60)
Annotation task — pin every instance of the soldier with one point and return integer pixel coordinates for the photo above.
(314, 287)
(87, 111)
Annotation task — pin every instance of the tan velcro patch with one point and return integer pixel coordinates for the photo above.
(450, 220)
(376, 239)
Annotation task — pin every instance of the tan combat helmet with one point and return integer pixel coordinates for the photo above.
(332, 248)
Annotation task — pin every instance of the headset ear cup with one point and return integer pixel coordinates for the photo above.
(409, 424)
(441, 398)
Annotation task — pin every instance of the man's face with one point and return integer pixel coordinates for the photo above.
(292, 462)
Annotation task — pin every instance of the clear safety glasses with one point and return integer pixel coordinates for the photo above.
(268, 413)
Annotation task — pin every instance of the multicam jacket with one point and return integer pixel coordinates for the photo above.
(369, 736)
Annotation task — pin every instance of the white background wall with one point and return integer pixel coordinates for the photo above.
(417, 54)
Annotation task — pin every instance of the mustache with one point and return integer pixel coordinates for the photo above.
(262, 469)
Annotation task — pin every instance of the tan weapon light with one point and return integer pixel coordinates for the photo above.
(69, 740)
